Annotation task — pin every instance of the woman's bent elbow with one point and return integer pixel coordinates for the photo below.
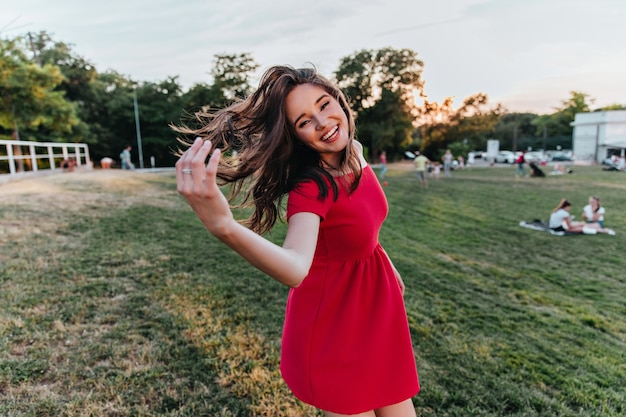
(296, 279)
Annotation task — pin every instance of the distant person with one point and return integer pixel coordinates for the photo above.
(383, 164)
(106, 162)
(593, 213)
(125, 158)
(558, 169)
(461, 162)
(471, 158)
(621, 163)
(447, 159)
(68, 164)
(521, 165)
(436, 170)
(421, 164)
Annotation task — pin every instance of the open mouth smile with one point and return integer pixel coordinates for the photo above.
(330, 133)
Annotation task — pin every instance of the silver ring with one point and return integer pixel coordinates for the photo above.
(187, 171)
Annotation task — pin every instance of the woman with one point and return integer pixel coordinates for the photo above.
(346, 346)
(593, 214)
(560, 219)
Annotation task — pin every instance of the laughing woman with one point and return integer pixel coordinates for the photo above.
(346, 346)
(593, 214)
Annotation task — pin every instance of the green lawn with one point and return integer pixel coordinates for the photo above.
(115, 301)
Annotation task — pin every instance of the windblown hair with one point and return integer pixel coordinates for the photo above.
(564, 203)
(263, 159)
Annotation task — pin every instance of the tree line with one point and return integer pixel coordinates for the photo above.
(49, 93)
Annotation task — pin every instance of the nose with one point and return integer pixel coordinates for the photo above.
(320, 122)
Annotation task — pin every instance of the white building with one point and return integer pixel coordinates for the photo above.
(598, 135)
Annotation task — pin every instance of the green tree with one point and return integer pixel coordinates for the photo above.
(77, 84)
(516, 131)
(612, 107)
(380, 86)
(109, 113)
(201, 95)
(471, 125)
(231, 77)
(29, 98)
(385, 126)
(159, 105)
(558, 123)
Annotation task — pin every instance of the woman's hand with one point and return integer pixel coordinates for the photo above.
(196, 182)
(397, 274)
(401, 283)
(399, 279)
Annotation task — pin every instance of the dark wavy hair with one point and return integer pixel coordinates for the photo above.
(263, 157)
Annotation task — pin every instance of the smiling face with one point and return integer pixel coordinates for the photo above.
(319, 121)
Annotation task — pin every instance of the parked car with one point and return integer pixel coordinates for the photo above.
(480, 154)
(506, 157)
(564, 155)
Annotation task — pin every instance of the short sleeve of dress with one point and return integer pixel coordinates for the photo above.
(305, 198)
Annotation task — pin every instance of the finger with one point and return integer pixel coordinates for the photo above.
(198, 161)
(202, 153)
(209, 182)
(211, 167)
(185, 160)
(192, 150)
(184, 163)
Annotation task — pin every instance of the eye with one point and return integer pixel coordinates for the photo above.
(325, 105)
(303, 123)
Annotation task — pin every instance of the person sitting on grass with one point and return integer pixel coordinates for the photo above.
(560, 221)
(593, 214)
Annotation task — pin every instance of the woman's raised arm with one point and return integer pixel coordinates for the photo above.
(196, 182)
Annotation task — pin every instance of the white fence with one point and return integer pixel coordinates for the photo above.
(41, 155)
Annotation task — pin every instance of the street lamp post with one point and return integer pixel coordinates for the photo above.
(137, 128)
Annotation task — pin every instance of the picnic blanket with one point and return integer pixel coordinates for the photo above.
(541, 226)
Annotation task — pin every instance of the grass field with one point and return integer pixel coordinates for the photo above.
(114, 301)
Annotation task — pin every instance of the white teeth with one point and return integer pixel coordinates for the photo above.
(329, 134)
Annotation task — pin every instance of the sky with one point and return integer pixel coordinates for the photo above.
(528, 55)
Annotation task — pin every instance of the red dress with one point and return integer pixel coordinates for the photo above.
(346, 344)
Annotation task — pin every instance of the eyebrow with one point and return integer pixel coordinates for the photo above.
(295, 123)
